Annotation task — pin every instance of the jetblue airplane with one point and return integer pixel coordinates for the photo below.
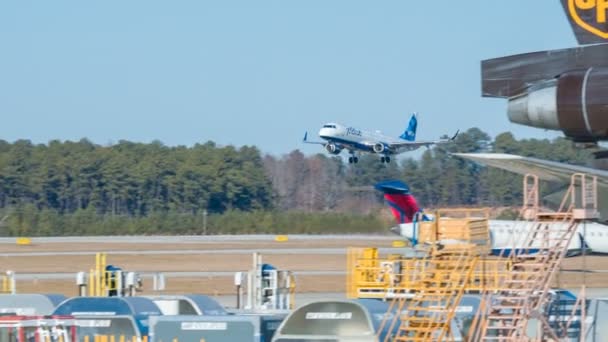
(339, 137)
(504, 234)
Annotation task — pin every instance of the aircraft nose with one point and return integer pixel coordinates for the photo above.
(396, 230)
(326, 132)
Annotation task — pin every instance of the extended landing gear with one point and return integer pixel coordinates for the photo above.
(353, 160)
(386, 159)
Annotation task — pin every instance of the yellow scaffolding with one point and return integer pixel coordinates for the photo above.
(426, 291)
(370, 276)
(428, 315)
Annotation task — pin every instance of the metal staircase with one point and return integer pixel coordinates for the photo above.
(428, 315)
(504, 316)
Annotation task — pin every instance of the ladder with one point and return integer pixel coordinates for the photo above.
(504, 316)
(531, 197)
(428, 315)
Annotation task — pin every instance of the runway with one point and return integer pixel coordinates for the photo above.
(195, 239)
(285, 251)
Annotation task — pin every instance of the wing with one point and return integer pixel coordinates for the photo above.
(544, 169)
(305, 140)
(416, 144)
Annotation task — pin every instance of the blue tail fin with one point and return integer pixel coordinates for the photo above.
(410, 132)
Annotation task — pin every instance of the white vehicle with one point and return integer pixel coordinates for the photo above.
(339, 137)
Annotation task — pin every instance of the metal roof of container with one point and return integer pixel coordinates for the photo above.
(140, 308)
(343, 319)
(108, 306)
(30, 304)
(204, 305)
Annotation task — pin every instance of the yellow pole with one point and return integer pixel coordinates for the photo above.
(122, 338)
(144, 338)
(86, 338)
(91, 282)
(112, 338)
(103, 272)
(97, 338)
(97, 274)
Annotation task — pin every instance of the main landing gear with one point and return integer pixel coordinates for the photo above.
(385, 159)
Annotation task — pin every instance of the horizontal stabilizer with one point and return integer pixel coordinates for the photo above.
(512, 75)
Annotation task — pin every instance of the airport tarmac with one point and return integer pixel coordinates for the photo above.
(206, 264)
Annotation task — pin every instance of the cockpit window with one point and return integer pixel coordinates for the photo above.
(329, 126)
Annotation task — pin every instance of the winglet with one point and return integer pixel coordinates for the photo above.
(455, 135)
(305, 137)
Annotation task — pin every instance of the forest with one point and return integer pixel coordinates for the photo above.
(81, 188)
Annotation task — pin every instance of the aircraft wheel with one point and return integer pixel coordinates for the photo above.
(382, 159)
(388, 159)
(355, 160)
(350, 160)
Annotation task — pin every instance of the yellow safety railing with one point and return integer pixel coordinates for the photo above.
(370, 276)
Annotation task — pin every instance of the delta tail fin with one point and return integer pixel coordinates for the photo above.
(589, 20)
(410, 131)
(397, 195)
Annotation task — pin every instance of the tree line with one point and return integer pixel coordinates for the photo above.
(73, 188)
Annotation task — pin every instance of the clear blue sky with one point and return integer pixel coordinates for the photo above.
(258, 72)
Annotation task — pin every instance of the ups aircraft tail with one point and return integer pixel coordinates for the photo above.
(588, 19)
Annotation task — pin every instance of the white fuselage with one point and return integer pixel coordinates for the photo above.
(354, 139)
(507, 235)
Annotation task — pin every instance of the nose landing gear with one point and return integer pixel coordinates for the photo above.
(353, 160)
(385, 159)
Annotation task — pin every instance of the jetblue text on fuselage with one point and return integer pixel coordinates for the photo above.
(353, 131)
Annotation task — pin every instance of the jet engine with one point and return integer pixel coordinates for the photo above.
(378, 148)
(574, 103)
(333, 148)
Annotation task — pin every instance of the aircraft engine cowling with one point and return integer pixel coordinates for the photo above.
(576, 103)
(333, 149)
(378, 148)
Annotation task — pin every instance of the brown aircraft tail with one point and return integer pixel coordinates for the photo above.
(589, 20)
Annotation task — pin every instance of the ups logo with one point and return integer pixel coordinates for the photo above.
(590, 15)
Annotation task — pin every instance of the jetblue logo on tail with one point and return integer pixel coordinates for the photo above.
(410, 132)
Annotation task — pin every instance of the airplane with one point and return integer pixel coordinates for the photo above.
(504, 234)
(564, 89)
(339, 137)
